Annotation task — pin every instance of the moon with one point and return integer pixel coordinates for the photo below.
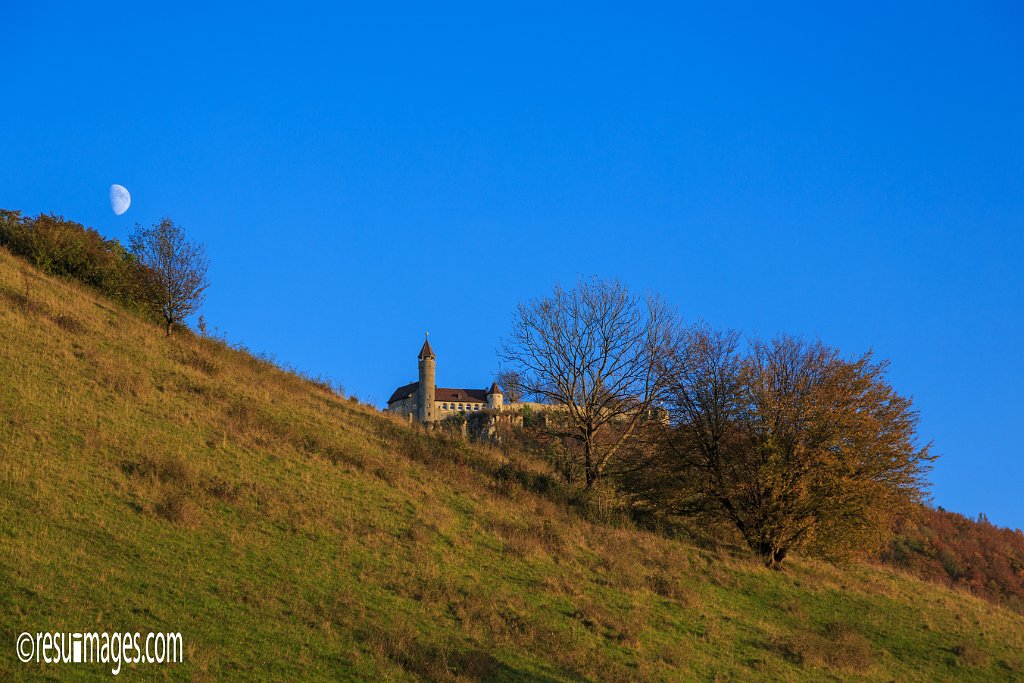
(120, 200)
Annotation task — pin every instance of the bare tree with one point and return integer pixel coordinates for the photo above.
(508, 381)
(793, 445)
(596, 353)
(176, 270)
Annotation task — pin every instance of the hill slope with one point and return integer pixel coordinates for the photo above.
(179, 485)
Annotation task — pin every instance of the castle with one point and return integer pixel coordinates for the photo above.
(423, 401)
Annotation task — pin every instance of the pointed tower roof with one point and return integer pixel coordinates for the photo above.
(495, 389)
(426, 351)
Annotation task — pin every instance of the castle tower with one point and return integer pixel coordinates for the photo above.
(494, 397)
(425, 393)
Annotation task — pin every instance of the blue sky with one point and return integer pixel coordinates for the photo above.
(363, 175)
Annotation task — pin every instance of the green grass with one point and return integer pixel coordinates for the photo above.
(149, 484)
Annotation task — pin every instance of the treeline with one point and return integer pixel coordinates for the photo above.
(949, 548)
(784, 443)
(68, 249)
(161, 275)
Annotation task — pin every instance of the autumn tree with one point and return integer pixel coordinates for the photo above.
(176, 269)
(793, 445)
(594, 353)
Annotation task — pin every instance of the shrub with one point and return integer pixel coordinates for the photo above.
(178, 508)
(969, 655)
(68, 323)
(838, 646)
(949, 548)
(68, 249)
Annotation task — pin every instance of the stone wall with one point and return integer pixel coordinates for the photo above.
(493, 426)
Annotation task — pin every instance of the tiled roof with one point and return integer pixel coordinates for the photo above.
(404, 392)
(441, 394)
(495, 389)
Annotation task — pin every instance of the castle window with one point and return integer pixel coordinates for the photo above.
(444, 406)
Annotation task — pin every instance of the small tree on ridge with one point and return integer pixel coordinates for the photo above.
(176, 270)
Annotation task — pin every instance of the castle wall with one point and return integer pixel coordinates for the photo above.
(441, 409)
(404, 408)
(445, 408)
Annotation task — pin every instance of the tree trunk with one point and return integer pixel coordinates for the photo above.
(772, 555)
(588, 469)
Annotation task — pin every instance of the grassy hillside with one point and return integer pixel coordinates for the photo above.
(179, 485)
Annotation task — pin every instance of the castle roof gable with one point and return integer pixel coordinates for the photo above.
(404, 392)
